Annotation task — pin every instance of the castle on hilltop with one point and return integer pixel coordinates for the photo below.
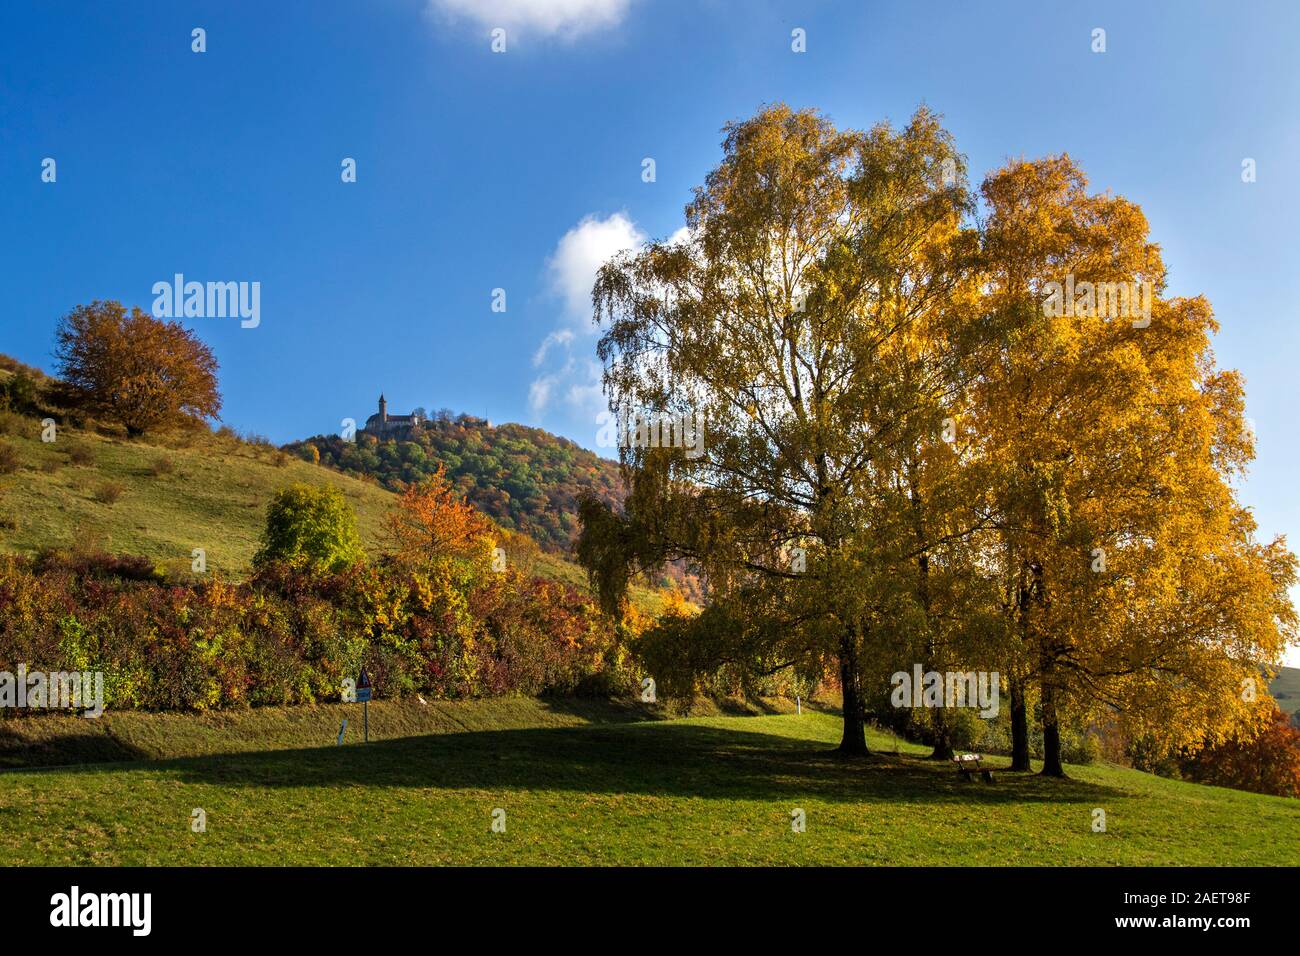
(382, 423)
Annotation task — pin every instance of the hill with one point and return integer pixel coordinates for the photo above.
(582, 787)
(156, 499)
(1285, 689)
(162, 496)
(526, 479)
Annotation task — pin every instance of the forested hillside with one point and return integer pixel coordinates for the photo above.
(526, 479)
(523, 478)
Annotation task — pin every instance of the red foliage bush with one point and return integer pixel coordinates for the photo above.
(1270, 763)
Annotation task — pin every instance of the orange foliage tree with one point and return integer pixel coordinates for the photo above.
(431, 521)
(133, 369)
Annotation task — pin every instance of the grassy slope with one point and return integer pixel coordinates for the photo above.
(61, 739)
(214, 498)
(693, 791)
(1285, 689)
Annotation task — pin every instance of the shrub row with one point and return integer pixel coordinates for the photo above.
(289, 636)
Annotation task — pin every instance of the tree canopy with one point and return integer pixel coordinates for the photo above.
(311, 526)
(130, 368)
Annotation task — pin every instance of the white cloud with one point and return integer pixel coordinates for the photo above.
(539, 393)
(576, 386)
(558, 337)
(568, 18)
(580, 253)
(574, 380)
(680, 235)
(587, 398)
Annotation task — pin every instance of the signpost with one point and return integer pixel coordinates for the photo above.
(363, 696)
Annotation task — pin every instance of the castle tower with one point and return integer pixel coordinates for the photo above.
(383, 410)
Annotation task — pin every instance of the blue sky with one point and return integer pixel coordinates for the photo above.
(521, 170)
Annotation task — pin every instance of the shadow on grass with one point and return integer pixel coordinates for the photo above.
(658, 759)
(602, 710)
(20, 752)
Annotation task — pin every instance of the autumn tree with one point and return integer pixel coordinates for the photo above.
(816, 320)
(1043, 397)
(909, 455)
(1133, 586)
(431, 521)
(133, 369)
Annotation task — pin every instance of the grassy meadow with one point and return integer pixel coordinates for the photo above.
(587, 784)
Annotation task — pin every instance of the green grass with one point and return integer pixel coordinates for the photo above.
(130, 735)
(603, 788)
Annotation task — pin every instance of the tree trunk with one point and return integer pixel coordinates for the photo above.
(854, 741)
(1019, 724)
(939, 721)
(942, 735)
(1051, 735)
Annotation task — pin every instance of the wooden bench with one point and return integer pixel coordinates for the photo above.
(970, 764)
